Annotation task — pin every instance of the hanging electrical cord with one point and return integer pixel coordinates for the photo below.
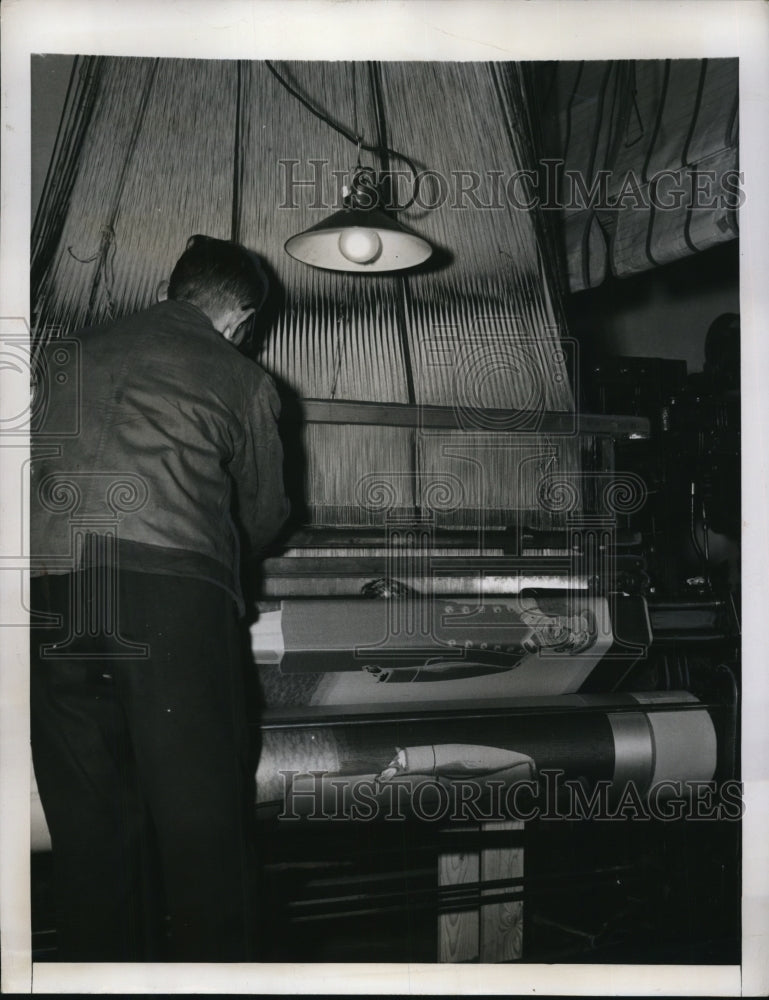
(703, 551)
(357, 140)
(693, 520)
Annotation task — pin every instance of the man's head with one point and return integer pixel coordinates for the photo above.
(222, 279)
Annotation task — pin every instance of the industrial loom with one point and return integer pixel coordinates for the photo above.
(460, 602)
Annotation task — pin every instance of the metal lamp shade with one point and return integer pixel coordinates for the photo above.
(374, 243)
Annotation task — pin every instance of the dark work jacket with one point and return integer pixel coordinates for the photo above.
(154, 430)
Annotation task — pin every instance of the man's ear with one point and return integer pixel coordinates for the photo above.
(162, 291)
(233, 320)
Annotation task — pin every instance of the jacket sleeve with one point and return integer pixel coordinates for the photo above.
(262, 505)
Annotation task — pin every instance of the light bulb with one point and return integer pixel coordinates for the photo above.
(361, 246)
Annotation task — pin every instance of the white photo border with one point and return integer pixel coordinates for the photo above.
(403, 30)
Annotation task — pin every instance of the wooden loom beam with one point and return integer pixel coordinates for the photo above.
(296, 576)
(338, 411)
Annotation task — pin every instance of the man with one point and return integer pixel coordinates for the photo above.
(157, 447)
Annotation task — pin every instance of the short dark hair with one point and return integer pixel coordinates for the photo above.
(218, 275)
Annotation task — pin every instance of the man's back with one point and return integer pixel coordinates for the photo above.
(173, 411)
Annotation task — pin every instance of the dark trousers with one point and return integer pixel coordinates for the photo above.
(144, 769)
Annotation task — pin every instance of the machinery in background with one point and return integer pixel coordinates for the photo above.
(691, 523)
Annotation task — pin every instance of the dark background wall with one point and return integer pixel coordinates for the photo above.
(662, 313)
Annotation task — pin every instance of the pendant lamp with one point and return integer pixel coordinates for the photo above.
(359, 237)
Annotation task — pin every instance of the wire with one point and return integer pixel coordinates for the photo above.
(105, 272)
(639, 119)
(693, 522)
(356, 140)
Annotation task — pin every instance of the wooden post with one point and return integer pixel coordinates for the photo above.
(459, 933)
(489, 931)
(501, 923)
